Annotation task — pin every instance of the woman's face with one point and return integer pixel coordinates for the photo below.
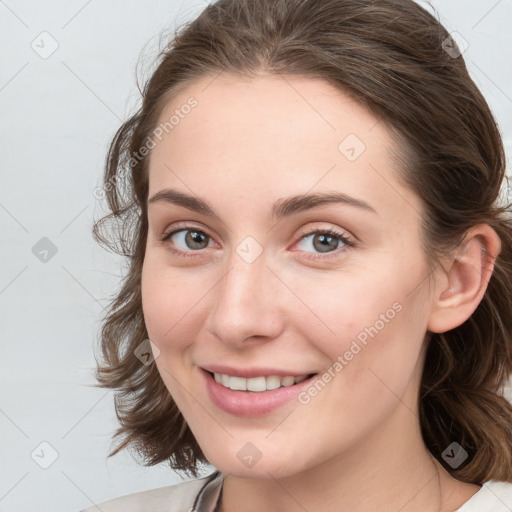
(296, 251)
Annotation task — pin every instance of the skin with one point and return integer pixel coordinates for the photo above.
(356, 446)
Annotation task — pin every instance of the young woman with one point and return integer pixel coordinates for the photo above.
(318, 300)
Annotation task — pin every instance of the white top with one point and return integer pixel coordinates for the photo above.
(202, 495)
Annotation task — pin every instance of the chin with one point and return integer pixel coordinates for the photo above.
(249, 462)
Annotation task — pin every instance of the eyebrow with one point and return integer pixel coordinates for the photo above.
(283, 207)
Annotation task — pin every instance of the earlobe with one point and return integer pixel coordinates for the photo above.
(465, 280)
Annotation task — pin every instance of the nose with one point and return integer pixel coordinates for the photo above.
(247, 304)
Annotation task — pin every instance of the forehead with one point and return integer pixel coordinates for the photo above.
(274, 133)
(256, 110)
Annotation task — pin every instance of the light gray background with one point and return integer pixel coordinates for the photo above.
(57, 116)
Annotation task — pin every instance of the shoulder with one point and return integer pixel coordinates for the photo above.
(494, 496)
(178, 497)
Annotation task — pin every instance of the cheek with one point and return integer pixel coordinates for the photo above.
(154, 303)
(165, 305)
(165, 302)
(369, 319)
(347, 307)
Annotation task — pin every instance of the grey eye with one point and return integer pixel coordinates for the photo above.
(193, 239)
(321, 242)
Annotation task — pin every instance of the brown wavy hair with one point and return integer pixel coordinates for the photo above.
(389, 55)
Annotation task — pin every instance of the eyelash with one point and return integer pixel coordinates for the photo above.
(329, 231)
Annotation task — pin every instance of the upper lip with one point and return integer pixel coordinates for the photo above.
(248, 373)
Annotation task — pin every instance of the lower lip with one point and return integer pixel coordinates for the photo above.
(251, 403)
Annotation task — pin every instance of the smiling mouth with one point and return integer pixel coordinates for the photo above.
(258, 384)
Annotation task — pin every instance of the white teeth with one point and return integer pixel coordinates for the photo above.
(256, 384)
(273, 382)
(287, 381)
(238, 383)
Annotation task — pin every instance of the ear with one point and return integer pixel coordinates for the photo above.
(464, 281)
